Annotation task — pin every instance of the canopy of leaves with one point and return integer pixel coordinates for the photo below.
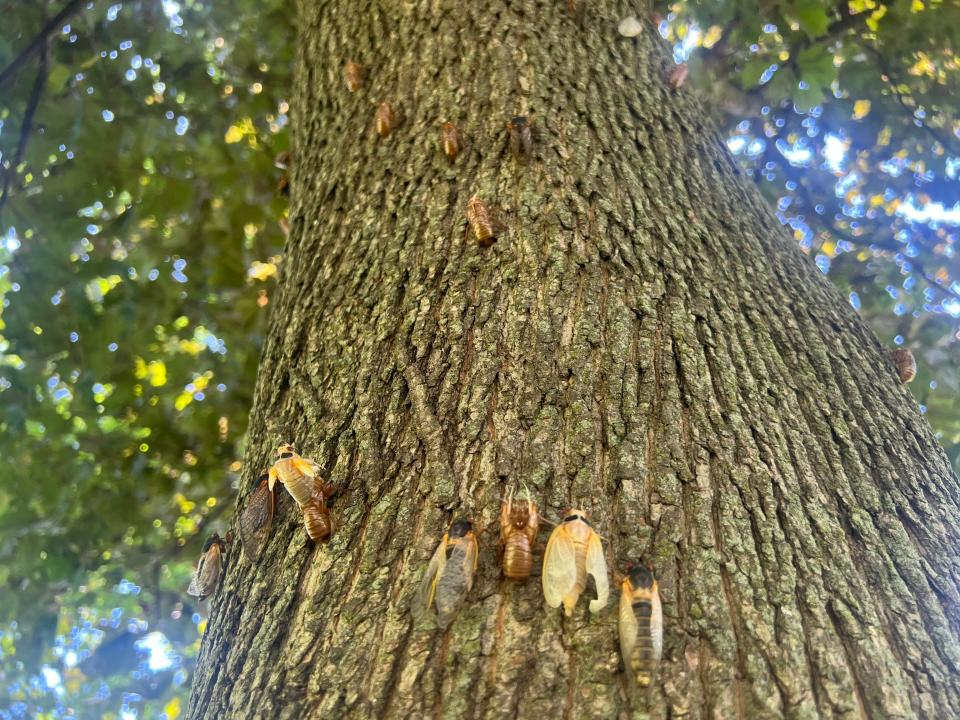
(139, 240)
(140, 237)
(847, 116)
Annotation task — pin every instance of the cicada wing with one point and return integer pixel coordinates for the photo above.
(597, 568)
(307, 467)
(256, 521)
(456, 578)
(628, 627)
(656, 623)
(423, 601)
(559, 567)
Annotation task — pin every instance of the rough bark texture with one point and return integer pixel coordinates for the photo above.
(645, 341)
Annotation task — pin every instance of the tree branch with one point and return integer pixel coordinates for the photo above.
(40, 40)
(27, 125)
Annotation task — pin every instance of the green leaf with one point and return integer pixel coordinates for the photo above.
(812, 16)
(752, 71)
(816, 66)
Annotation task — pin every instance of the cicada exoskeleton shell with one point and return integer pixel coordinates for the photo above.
(450, 140)
(386, 119)
(519, 523)
(301, 477)
(353, 75)
(678, 76)
(206, 576)
(316, 515)
(905, 363)
(481, 222)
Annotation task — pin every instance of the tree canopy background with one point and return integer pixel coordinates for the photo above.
(141, 234)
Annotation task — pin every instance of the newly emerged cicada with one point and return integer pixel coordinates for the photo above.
(641, 623)
(302, 480)
(450, 140)
(521, 137)
(519, 523)
(257, 518)
(905, 363)
(353, 75)
(206, 576)
(386, 119)
(573, 561)
(449, 575)
(478, 215)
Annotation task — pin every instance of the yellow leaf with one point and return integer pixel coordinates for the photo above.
(917, 6)
(183, 399)
(172, 709)
(829, 249)
(861, 108)
(261, 270)
(191, 347)
(712, 36)
(233, 135)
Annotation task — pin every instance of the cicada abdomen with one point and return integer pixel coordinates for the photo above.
(519, 522)
(641, 624)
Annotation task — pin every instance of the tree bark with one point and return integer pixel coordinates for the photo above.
(644, 341)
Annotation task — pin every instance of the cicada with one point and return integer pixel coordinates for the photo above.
(906, 364)
(521, 137)
(206, 576)
(386, 119)
(478, 215)
(519, 523)
(449, 575)
(573, 560)
(641, 623)
(353, 75)
(257, 517)
(301, 478)
(678, 76)
(450, 140)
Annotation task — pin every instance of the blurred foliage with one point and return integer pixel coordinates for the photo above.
(140, 239)
(847, 116)
(138, 247)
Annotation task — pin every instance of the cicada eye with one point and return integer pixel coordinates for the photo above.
(460, 528)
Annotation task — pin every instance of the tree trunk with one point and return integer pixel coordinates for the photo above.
(643, 341)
